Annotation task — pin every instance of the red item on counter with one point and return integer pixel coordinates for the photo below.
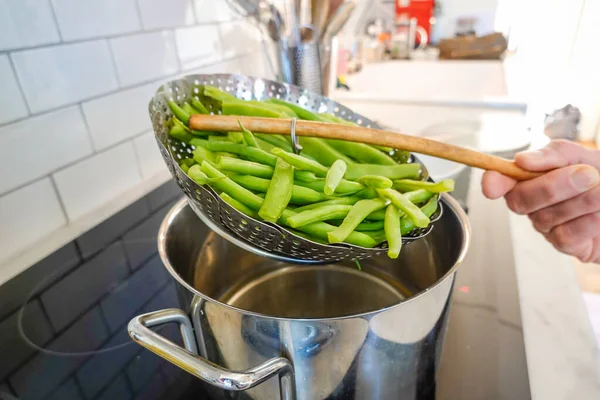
(422, 10)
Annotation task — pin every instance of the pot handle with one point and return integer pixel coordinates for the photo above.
(209, 372)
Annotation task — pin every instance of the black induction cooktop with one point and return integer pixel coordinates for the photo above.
(63, 322)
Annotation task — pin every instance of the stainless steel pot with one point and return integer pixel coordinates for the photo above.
(258, 328)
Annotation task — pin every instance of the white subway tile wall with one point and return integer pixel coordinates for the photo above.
(12, 104)
(27, 215)
(76, 79)
(87, 185)
(58, 75)
(143, 57)
(119, 116)
(26, 23)
(213, 11)
(148, 155)
(87, 19)
(198, 46)
(166, 14)
(36, 146)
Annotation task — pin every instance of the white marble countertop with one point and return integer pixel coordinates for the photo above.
(563, 358)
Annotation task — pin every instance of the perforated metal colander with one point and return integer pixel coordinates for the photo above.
(260, 237)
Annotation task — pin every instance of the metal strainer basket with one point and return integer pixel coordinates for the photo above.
(260, 237)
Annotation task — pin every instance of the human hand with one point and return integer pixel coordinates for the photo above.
(564, 203)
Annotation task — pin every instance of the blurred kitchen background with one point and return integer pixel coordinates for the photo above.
(76, 76)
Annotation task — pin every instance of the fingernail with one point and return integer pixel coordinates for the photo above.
(533, 154)
(585, 178)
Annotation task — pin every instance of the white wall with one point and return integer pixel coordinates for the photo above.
(76, 78)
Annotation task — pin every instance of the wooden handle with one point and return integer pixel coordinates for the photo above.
(364, 135)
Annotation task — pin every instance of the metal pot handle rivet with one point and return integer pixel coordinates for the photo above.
(189, 360)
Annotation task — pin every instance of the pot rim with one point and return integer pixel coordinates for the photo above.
(450, 202)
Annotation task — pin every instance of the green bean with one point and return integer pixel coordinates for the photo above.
(306, 236)
(393, 234)
(198, 106)
(202, 154)
(279, 192)
(179, 113)
(405, 185)
(237, 205)
(406, 206)
(375, 181)
(301, 162)
(284, 111)
(251, 153)
(386, 150)
(367, 193)
(240, 107)
(305, 176)
(365, 226)
(407, 225)
(200, 177)
(188, 161)
(418, 196)
(300, 195)
(237, 137)
(213, 92)
(344, 188)
(188, 109)
(220, 155)
(400, 171)
(370, 226)
(228, 186)
(185, 168)
(248, 136)
(319, 150)
(334, 177)
(266, 146)
(179, 133)
(245, 167)
(362, 152)
(199, 142)
(348, 201)
(276, 140)
(357, 214)
(324, 117)
(378, 236)
(300, 112)
(321, 229)
(213, 138)
(318, 214)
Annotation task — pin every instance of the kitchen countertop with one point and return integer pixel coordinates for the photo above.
(563, 358)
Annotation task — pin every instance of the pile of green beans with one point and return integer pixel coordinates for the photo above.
(334, 191)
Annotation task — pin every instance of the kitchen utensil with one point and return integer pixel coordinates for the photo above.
(368, 135)
(319, 10)
(265, 238)
(338, 20)
(328, 332)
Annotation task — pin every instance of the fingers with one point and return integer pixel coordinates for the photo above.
(547, 218)
(578, 237)
(496, 185)
(557, 154)
(552, 188)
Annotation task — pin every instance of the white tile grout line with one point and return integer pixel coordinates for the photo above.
(87, 128)
(63, 207)
(138, 12)
(72, 163)
(113, 36)
(121, 89)
(113, 62)
(20, 86)
(55, 19)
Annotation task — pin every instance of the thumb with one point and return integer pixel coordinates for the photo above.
(557, 154)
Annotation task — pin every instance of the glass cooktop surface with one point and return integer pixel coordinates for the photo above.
(63, 321)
